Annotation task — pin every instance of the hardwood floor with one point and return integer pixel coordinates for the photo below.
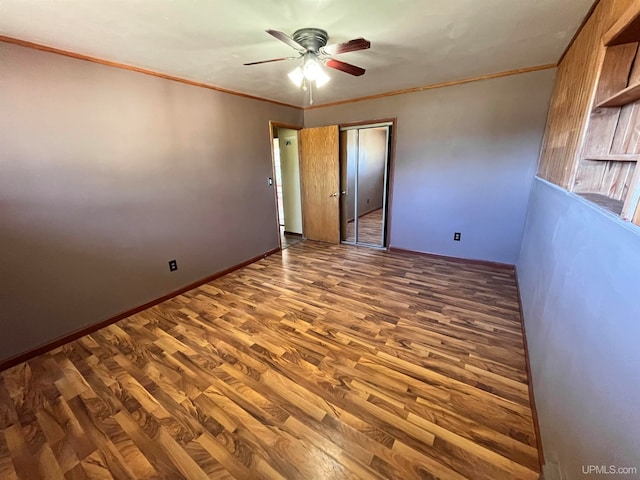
(369, 228)
(321, 362)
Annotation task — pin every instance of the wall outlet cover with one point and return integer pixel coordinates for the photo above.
(173, 265)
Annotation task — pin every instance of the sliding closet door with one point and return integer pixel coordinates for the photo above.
(364, 168)
(371, 184)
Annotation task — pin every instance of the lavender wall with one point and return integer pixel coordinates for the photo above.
(465, 157)
(106, 175)
(579, 273)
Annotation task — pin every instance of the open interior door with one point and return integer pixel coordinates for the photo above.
(320, 182)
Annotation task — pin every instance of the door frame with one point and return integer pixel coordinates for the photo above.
(273, 124)
(392, 156)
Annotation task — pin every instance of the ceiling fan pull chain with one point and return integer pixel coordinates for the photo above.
(310, 93)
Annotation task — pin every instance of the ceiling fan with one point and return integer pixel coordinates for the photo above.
(311, 45)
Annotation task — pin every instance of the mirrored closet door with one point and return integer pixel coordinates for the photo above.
(364, 172)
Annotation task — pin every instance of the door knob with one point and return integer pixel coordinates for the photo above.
(343, 192)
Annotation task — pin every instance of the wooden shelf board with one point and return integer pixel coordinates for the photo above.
(626, 29)
(613, 158)
(610, 204)
(623, 97)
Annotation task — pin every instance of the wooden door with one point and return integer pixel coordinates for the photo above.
(320, 183)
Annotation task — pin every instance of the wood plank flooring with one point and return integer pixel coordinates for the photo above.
(321, 362)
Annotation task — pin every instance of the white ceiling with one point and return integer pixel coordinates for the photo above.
(413, 43)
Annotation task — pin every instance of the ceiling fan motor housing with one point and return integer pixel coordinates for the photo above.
(310, 43)
(313, 39)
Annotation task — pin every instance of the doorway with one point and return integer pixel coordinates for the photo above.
(364, 184)
(286, 167)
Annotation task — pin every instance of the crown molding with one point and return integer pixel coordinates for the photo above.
(435, 85)
(109, 63)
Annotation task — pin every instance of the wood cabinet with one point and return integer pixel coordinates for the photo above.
(608, 172)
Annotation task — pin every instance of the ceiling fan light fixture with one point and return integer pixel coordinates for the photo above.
(297, 76)
(311, 67)
(311, 45)
(321, 77)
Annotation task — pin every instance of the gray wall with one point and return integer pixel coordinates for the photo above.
(106, 175)
(579, 274)
(465, 157)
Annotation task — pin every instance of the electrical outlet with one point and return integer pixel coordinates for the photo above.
(456, 236)
(173, 265)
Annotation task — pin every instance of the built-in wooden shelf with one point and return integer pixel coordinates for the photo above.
(626, 29)
(608, 171)
(613, 158)
(605, 202)
(623, 97)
